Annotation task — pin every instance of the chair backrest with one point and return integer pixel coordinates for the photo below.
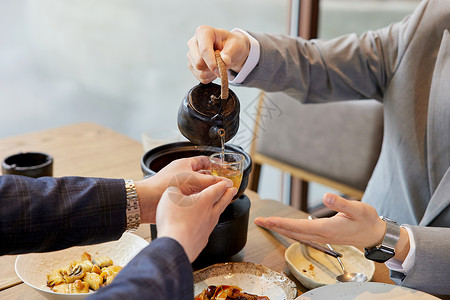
(336, 144)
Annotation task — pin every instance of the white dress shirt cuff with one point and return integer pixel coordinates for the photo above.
(250, 63)
(405, 267)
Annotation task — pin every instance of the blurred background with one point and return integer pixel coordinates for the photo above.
(122, 63)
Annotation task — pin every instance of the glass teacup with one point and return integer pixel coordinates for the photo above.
(229, 165)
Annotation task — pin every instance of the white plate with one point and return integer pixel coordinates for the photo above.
(364, 291)
(33, 268)
(251, 278)
(314, 268)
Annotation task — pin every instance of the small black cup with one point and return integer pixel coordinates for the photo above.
(31, 164)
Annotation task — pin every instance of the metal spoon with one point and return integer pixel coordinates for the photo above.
(346, 276)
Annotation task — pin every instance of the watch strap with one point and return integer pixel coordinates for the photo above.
(133, 212)
(386, 249)
(392, 234)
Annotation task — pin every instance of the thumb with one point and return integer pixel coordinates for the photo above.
(218, 196)
(339, 204)
(230, 52)
(226, 58)
(214, 192)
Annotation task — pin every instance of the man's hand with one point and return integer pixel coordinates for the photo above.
(234, 49)
(356, 224)
(190, 219)
(186, 174)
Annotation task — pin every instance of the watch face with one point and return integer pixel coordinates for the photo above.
(379, 254)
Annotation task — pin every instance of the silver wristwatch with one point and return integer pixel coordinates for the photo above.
(133, 210)
(386, 249)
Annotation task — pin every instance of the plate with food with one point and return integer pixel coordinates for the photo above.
(76, 272)
(242, 280)
(314, 268)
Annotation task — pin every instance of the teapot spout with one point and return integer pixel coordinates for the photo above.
(216, 132)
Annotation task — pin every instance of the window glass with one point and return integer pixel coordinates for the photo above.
(337, 17)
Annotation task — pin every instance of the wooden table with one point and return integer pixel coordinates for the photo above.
(91, 150)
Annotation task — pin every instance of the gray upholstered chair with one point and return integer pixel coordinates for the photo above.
(334, 144)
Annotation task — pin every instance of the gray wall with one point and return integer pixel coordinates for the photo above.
(122, 63)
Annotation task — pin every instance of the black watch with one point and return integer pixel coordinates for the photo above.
(386, 249)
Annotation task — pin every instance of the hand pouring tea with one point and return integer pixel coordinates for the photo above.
(209, 114)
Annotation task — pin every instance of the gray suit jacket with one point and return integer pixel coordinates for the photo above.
(406, 66)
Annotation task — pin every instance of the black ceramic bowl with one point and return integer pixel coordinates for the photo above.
(31, 164)
(230, 234)
(159, 157)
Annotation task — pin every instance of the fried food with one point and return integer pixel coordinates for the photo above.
(83, 275)
(55, 278)
(73, 273)
(110, 273)
(226, 292)
(78, 287)
(102, 261)
(94, 280)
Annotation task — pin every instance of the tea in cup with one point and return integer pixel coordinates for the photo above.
(229, 165)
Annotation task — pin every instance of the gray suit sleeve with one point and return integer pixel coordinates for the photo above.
(432, 258)
(345, 68)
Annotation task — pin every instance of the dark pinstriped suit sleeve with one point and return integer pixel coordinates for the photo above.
(47, 214)
(161, 271)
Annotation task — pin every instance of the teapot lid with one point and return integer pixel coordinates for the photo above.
(205, 100)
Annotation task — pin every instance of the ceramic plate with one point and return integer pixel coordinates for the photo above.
(364, 291)
(314, 268)
(33, 268)
(251, 278)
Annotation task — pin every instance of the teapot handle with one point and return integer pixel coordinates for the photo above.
(223, 76)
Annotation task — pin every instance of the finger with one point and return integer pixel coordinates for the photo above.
(195, 182)
(193, 55)
(226, 57)
(225, 200)
(204, 172)
(205, 180)
(196, 63)
(351, 209)
(228, 52)
(206, 40)
(299, 236)
(214, 192)
(198, 163)
(292, 228)
(203, 75)
(212, 178)
(298, 226)
(275, 223)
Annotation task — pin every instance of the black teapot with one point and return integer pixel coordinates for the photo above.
(210, 112)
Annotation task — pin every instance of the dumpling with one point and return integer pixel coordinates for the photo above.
(79, 287)
(110, 273)
(62, 288)
(93, 280)
(54, 278)
(102, 261)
